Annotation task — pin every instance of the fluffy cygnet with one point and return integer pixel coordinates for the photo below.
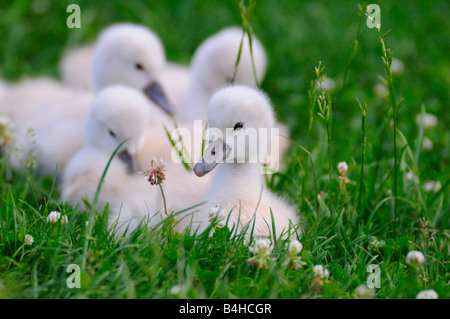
(213, 66)
(238, 186)
(126, 54)
(118, 113)
(131, 55)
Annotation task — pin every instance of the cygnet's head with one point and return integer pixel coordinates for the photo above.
(214, 61)
(240, 120)
(119, 113)
(131, 55)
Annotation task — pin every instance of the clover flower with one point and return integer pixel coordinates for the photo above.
(415, 258)
(262, 249)
(175, 290)
(374, 243)
(432, 186)
(55, 216)
(362, 292)
(410, 176)
(295, 247)
(343, 169)
(428, 120)
(321, 272)
(427, 144)
(427, 294)
(155, 175)
(293, 260)
(28, 240)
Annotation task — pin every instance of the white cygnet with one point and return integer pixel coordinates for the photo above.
(131, 55)
(77, 64)
(238, 186)
(213, 67)
(118, 113)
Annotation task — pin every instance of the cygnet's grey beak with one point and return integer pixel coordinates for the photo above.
(155, 92)
(128, 160)
(215, 153)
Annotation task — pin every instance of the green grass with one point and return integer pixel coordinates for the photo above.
(339, 224)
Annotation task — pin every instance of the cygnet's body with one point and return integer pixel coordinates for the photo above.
(76, 67)
(238, 187)
(118, 113)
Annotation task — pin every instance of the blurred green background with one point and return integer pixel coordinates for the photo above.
(296, 34)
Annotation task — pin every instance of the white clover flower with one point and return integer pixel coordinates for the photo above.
(293, 260)
(415, 258)
(427, 144)
(432, 186)
(55, 216)
(374, 243)
(155, 175)
(175, 290)
(362, 292)
(428, 120)
(342, 168)
(262, 249)
(295, 247)
(397, 66)
(321, 272)
(28, 240)
(427, 294)
(410, 176)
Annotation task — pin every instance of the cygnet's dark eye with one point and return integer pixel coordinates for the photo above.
(238, 125)
(213, 152)
(139, 66)
(112, 133)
